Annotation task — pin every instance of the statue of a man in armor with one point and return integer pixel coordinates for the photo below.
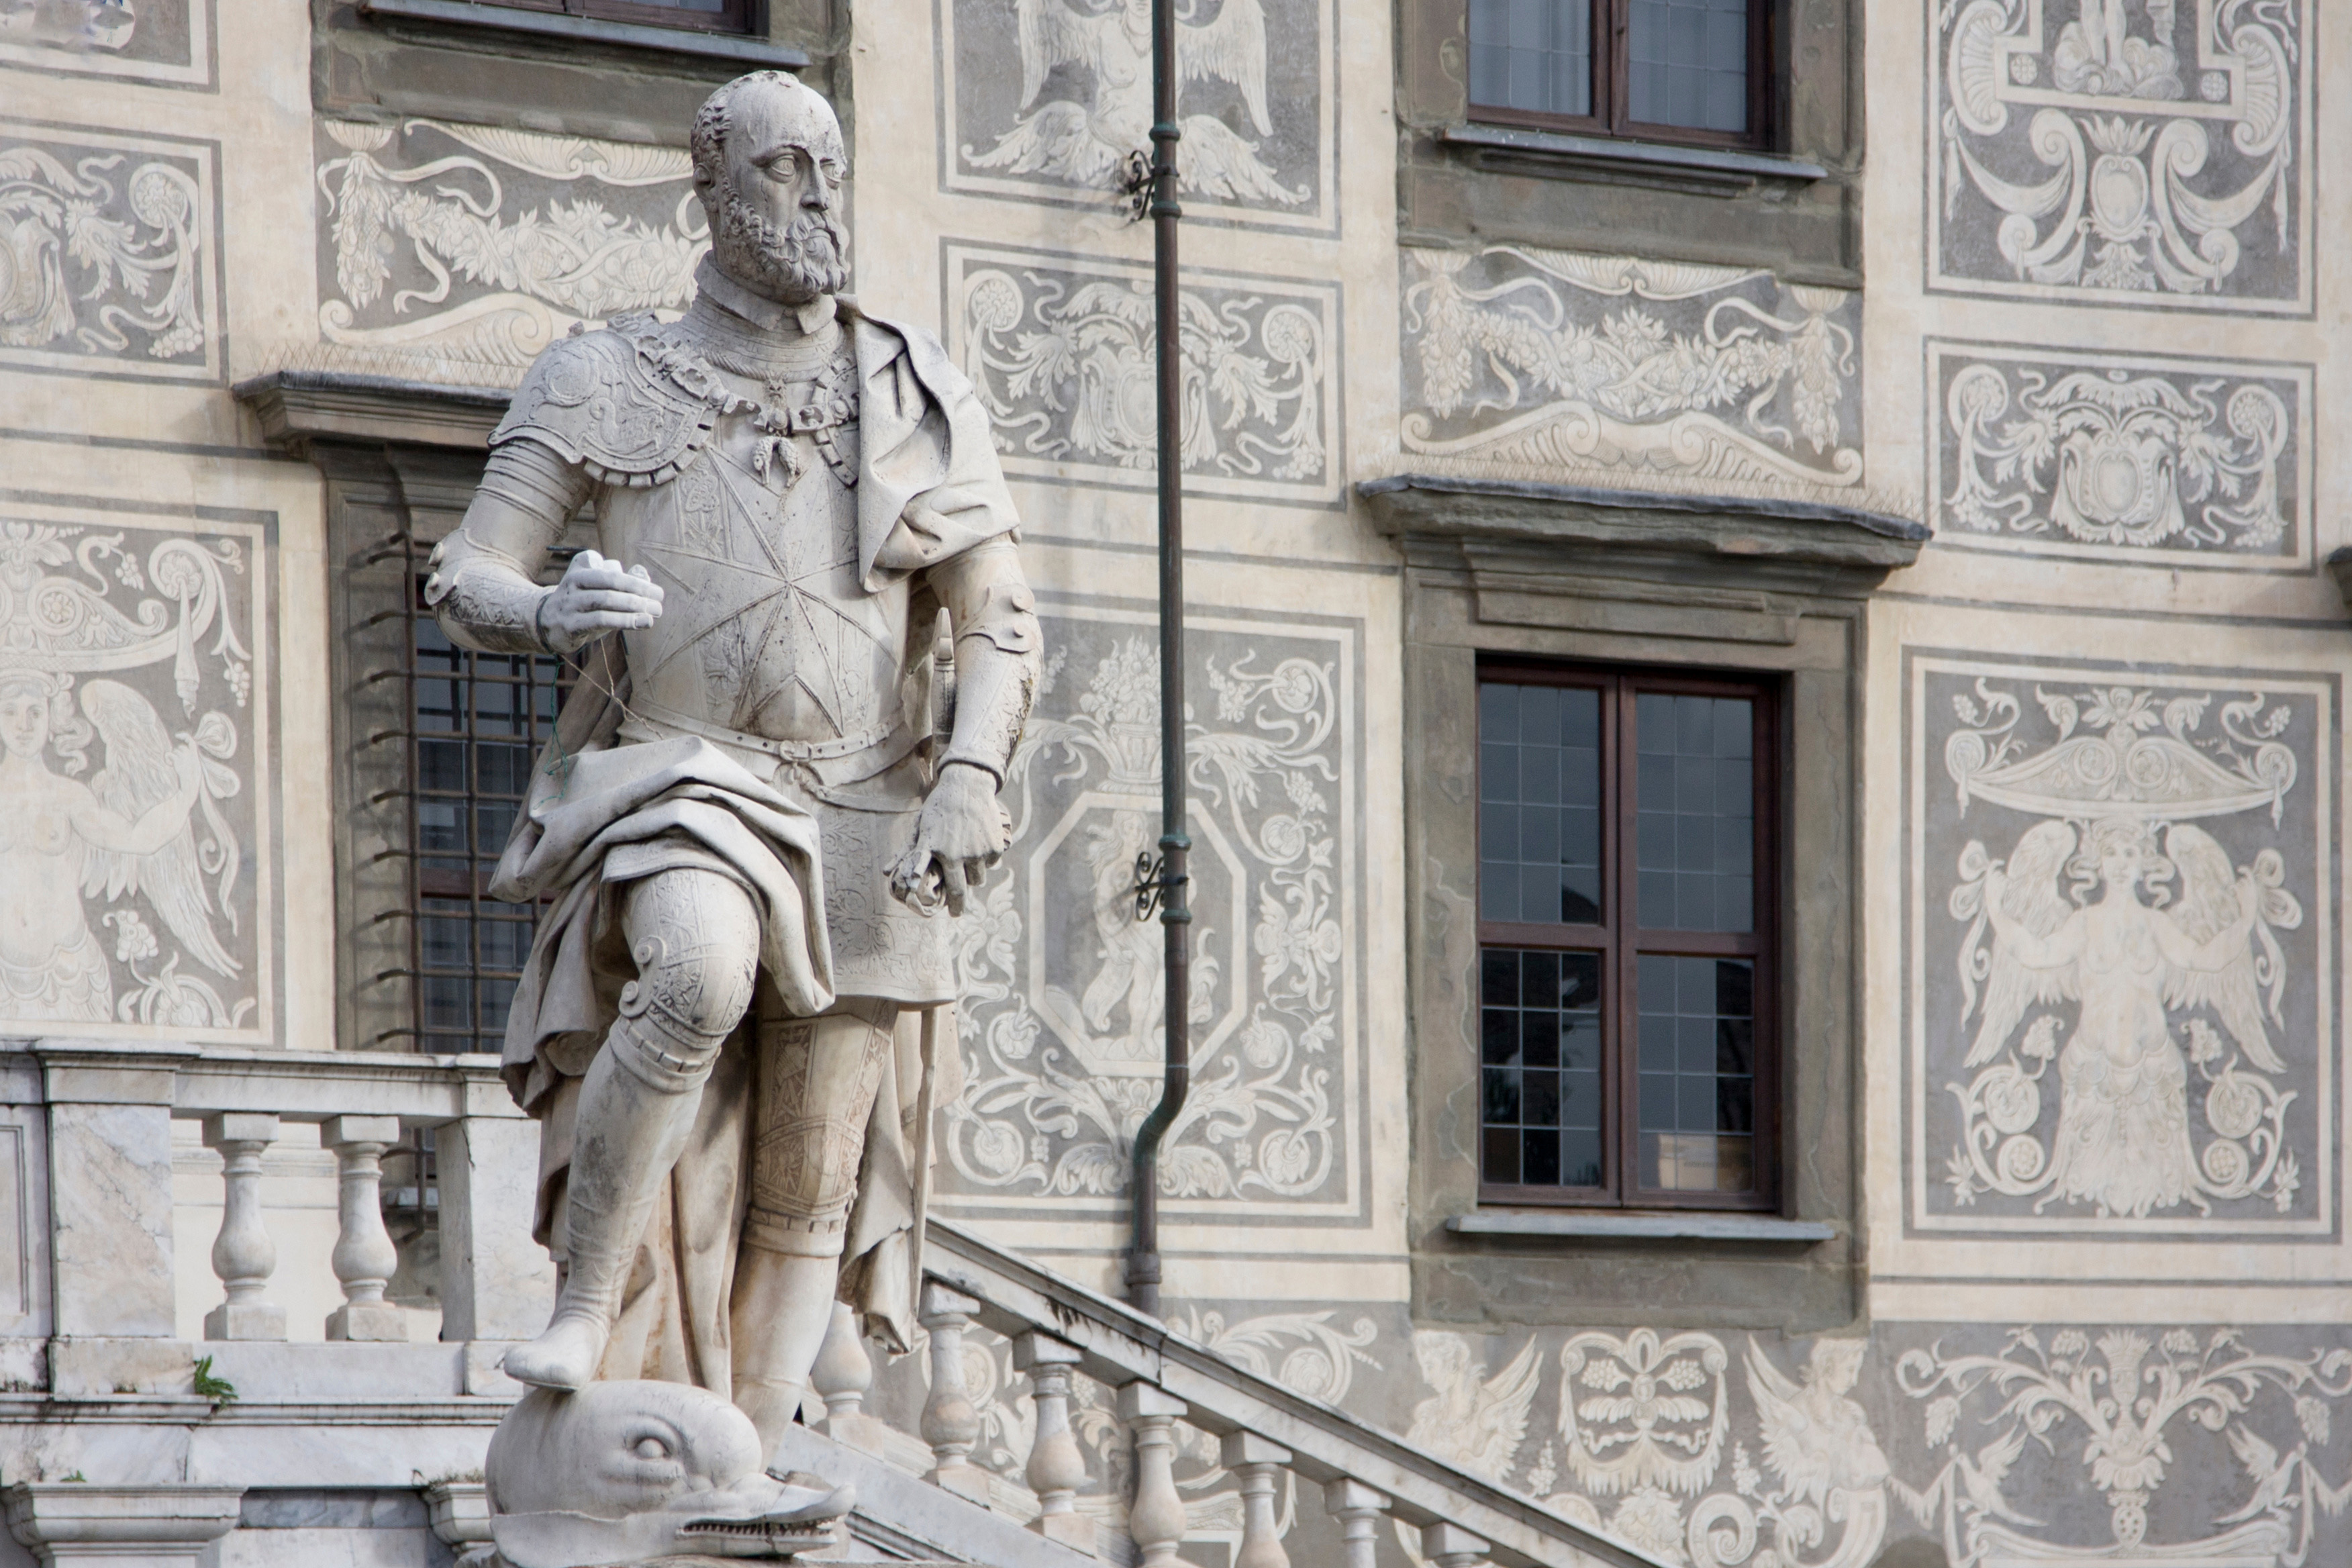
(760, 811)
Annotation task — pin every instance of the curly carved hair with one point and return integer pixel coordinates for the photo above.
(707, 142)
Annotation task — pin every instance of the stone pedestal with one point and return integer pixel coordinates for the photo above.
(70, 1522)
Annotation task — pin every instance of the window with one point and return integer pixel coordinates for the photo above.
(706, 15)
(477, 723)
(1686, 70)
(1625, 922)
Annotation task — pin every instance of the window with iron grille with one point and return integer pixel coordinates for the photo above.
(703, 16)
(1682, 70)
(477, 723)
(1625, 926)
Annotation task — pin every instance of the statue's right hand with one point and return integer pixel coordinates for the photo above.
(597, 596)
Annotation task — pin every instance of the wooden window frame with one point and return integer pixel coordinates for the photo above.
(735, 16)
(1620, 892)
(1612, 92)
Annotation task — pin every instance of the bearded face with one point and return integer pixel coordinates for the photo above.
(791, 264)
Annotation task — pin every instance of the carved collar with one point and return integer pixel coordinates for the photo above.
(763, 313)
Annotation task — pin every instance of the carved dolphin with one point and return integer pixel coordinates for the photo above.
(636, 1472)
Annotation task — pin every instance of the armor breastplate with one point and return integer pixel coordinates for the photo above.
(765, 628)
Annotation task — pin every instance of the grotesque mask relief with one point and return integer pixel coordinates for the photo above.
(2122, 457)
(1530, 363)
(473, 247)
(135, 861)
(109, 258)
(2120, 955)
(1045, 100)
(1065, 986)
(2150, 152)
(165, 42)
(1061, 349)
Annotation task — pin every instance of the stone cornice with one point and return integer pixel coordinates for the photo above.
(299, 407)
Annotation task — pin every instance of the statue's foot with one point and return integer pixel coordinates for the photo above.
(566, 1356)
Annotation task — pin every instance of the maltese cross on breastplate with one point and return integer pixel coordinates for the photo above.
(773, 580)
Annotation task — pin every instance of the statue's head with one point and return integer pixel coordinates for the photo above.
(768, 164)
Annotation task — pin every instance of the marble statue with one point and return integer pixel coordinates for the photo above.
(766, 800)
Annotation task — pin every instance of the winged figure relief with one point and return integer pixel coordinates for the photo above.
(1817, 1440)
(1472, 1420)
(2089, 917)
(132, 831)
(1084, 134)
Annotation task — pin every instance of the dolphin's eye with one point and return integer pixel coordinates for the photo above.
(650, 1447)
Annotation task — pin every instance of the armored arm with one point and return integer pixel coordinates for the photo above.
(995, 619)
(483, 587)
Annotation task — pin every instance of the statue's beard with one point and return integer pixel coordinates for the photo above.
(791, 265)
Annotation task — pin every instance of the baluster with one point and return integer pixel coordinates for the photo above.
(1256, 1462)
(1358, 1507)
(1156, 1517)
(243, 1255)
(842, 1377)
(1451, 1546)
(1057, 1468)
(950, 1424)
(364, 1257)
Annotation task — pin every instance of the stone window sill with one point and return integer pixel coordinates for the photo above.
(734, 48)
(1598, 1225)
(1552, 155)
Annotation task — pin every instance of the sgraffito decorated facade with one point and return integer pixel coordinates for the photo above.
(1971, 426)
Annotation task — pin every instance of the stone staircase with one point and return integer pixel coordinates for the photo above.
(126, 1444)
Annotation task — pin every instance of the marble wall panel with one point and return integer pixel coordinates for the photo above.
(1044, 101)
(2121, 887)
(1064, 986)
(2114, 152)
(2121, 457)
(1551, 361)
(165, 43)
(109, 253)
(471, 248)
(136, 710)
(1061, 349)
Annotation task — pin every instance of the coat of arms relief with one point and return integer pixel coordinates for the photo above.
(2147, 151)
(127, 719)
(2126, 1031)
(1064, 987)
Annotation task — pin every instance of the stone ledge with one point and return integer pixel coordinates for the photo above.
(734, 48)
(1580, 1226)
(153, 1526)
(1553, 154)
(297, 408)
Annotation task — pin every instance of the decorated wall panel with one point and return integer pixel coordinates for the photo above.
(109, 253)
(1665, 372)
(1065, 989)
(2121, 891)
(135, 710)
(471, 248)
(2121, 457)
(1043, 101)
(165, 43)
(1061, 349)
(2116, 152)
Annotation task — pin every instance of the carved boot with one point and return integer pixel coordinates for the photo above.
(782, 1311)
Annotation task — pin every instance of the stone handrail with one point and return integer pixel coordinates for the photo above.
(1059, 1326)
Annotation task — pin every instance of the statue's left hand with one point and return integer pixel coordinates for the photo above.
(959, 836)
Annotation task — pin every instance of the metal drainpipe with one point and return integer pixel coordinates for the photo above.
(1175, 913)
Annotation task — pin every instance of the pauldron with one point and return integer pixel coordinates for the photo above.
(632, 406)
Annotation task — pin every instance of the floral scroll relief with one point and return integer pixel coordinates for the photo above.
(2138, 151)
(1061, 356)
(1547, 359)
(105, 255)
(2196, 457)
(2121, 941)
(476, 245)
(133, 890)
(2120, 1407)
(1063, 992)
